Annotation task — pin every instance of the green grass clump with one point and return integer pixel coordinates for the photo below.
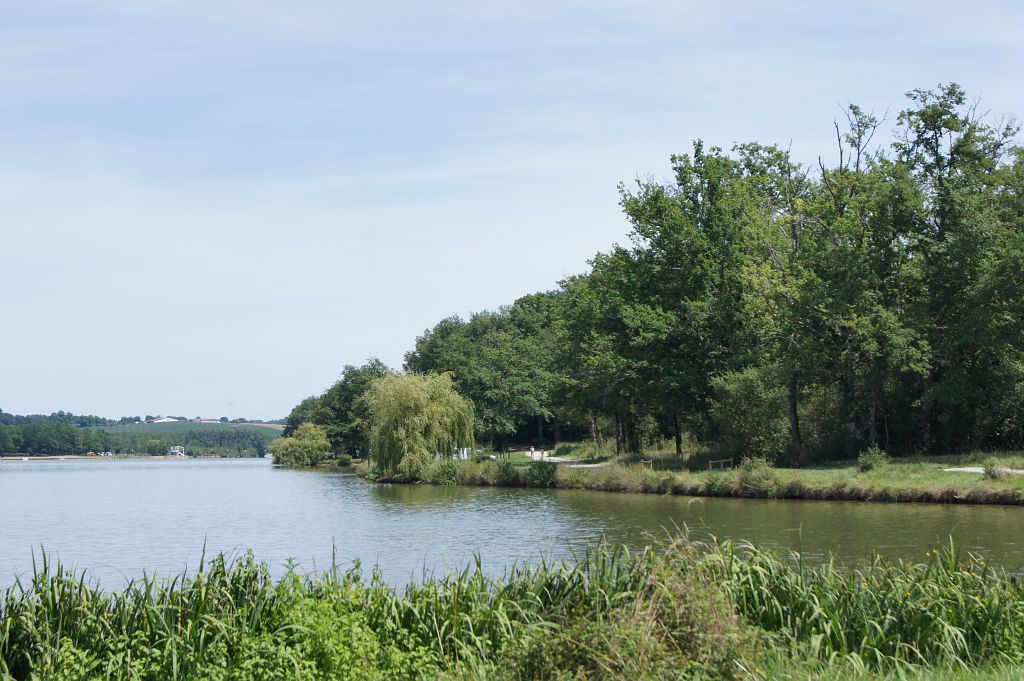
(564, 449)
(444, 472)
(993, 470)
(541, 474)
(757, 477)
(889, 616)
(681, 610)
(870, 459)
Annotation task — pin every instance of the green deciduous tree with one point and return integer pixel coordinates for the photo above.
(341, 410)
(417, 418)
(307, 446)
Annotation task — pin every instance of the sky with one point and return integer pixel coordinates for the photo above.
(209, 207)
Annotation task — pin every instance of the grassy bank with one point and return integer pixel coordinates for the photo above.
(682, 611)
(909, 480)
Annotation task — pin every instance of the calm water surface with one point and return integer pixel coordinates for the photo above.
(120, 518)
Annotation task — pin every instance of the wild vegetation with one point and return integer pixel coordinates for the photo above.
(307, 446)
(681, 611)
(764, 308)
(899, 480)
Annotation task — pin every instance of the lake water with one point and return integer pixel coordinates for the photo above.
(120, 518)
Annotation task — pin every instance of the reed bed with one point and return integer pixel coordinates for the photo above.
(678, 610)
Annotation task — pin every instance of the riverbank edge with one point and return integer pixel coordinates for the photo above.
(86, 457)
(640, 480)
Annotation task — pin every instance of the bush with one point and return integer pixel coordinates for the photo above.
(307, 447)
(993, 471)
(343, 459)
(507, 475)
(718, 484)
(870, 459)
(541, 474)
(477, 473)
(444, 472)
(749, 413)
(575, 478)
(758, 477)
(564, 449)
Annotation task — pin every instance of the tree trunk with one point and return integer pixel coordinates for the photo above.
(618, 435)
(678, 432)
(873, 415)
(794, 423)
(850, 444)
(540, 428)
(633, 444)
(926, 414)
(885, 424)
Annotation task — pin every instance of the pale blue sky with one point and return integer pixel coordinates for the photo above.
(207, 208)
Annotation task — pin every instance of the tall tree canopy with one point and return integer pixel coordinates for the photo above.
(800, 312)
(340, 409)
(502, 361)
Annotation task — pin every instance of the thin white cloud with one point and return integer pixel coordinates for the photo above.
(194, 189)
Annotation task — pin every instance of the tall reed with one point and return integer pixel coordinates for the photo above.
(677, 610)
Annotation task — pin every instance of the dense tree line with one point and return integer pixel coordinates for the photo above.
(340, 410)
(56, 417)
(62, 438)
(770, 308)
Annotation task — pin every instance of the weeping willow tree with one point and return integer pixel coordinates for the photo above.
(416, 418)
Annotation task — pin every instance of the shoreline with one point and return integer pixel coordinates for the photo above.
(85, 457)
(782, 484)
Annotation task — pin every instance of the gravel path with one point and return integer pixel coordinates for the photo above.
(571, 463)
(979, 469)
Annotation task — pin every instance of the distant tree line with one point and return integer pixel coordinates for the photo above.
(61, 438)
(764, 307)
(63, 417)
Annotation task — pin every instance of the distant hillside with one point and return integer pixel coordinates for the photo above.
(237, 439)
(161, 429)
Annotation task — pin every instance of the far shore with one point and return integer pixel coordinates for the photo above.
(86, 457)
(937, 480)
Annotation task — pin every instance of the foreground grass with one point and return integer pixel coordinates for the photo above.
(681, 611)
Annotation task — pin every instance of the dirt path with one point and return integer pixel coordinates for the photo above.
(979, 469)
(570, 463)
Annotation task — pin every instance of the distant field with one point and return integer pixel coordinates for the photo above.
(158, 429)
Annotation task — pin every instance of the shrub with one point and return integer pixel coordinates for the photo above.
(749, 412)
(507, 474)
(444, 472)
(564, 449)
(343, 459)
(718, 484)
(307, 447)
(478, 473)
(870, 459)
(574, 478)
(541, 474)
(758, 477)
(992, 470)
